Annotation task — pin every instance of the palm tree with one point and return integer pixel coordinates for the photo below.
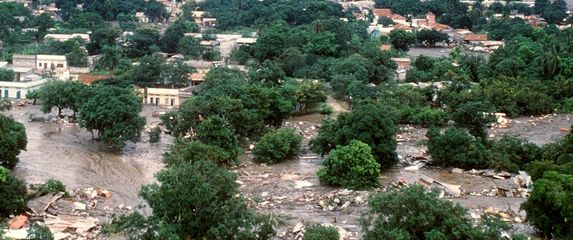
(110, 57)
(550, 60)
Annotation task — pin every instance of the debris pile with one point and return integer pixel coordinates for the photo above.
(508, 215)
(306, 130)
(341, 199)
(74, 216)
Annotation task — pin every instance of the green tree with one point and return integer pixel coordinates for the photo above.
(148, 72)
(474, 116)
(385, 21)
(555, 12)
(190, 47)
(191, 151)
(156, 11)
(114, 113)
(127, 22)
(103, 36)
(402, 39)
(174, 33)
(7, 75)
(77, 58)
(198, 200)
(175, 74)
(369, 123)
(12, 194)
(277, 145)
(431, 37)
(142, 42)
(512, 153)
(216, 131)
(291, 60)
(413, 213)
(39, 232)
(268, 73)
(423, 63)
(51, 186)
(540, 5)
(110, 57)
(548, 207)
(319, 232)
(351, 166)
(62, 95)
(155, 135)
(308, 95)
(84, 21)
(456, 148)
(12, 140)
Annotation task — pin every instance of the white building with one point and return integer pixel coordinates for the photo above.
(18, 90)
(43, 64)
(165, 97)
(66, 37)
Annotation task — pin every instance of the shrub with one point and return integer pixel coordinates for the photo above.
(429, 117)
(319, 232)
(518, 96)
(456, 148)
(277, 145)
(536, 169)
(413, 213)
(325, 109)
(549, 208)
(216, 131)
(51, 186)
(370, 123)
(155, 135)
(190, 151)
(39, 232)
(12, 194)
(475, 117)
(351, 166)
(512, 154)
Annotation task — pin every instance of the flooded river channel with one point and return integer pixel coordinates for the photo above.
(65, 152)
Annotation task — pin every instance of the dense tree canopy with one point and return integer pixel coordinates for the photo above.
(114, 113)
(369, 123)
(62, 95)
(413, 213)
(198, 200)
(12, 140)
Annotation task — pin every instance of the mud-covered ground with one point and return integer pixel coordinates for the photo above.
(289, 191)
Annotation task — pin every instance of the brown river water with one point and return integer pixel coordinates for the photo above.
(65, 152)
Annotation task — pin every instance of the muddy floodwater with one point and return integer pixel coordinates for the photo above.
(65, 152)
(289, 191)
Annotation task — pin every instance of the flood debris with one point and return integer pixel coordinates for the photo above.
(74, 216)
(450, 189)
(17, 222)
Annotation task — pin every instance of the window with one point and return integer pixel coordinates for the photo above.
(39, 64)
(151, 100)
(60, 65)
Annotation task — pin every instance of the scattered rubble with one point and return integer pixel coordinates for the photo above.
(77, 216)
